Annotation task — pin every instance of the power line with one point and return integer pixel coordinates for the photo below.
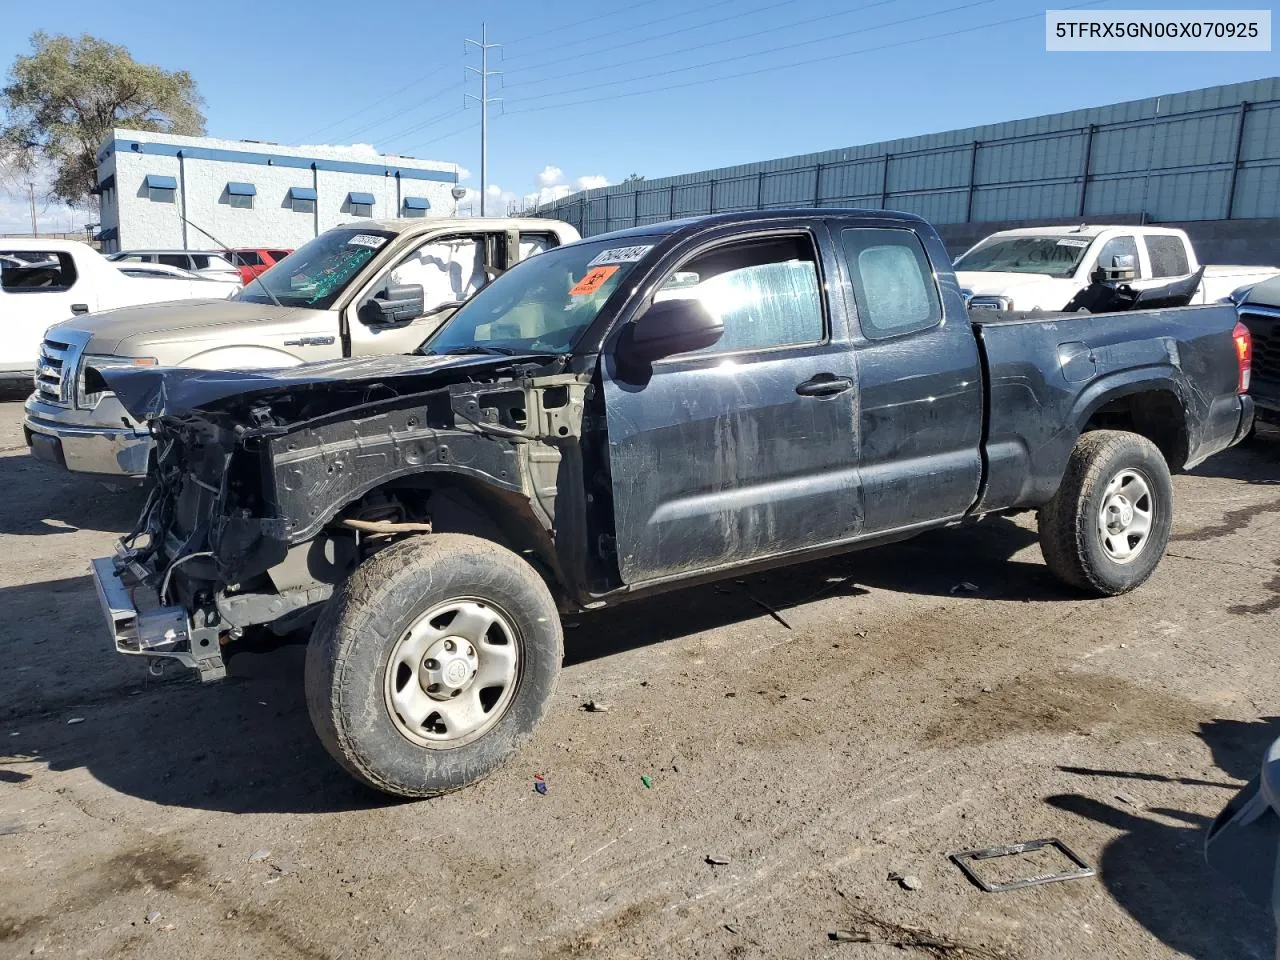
(720, 42)
(425, 123)
(393, 93)
(802, 63)
(757, 53)
(596, 37)
(470, 124)
(400, 113)
(579, 22)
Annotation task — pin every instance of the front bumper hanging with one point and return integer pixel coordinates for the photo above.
(156, 632)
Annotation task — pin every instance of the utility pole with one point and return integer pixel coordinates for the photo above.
(31, 197)
(484, 73)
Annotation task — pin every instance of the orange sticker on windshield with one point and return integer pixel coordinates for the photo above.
(593, 281)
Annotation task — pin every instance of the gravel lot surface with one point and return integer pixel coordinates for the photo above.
(889, 722)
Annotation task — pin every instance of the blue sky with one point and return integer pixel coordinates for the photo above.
(582, 79)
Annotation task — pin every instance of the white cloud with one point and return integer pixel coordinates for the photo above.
(463, 173)
(550, 176)
(359, 151)
(591, 182)
(494, 190)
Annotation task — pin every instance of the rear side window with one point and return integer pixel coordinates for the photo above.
(278, 255)
(48, 272)
(892, 281)
(1168, 256)
(249, 258)
(176, 260)
(200, 260)
(766, 292)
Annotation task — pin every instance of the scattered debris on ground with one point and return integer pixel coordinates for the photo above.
(906, 881)
(259, 855)
(871, 929)
(595, 706)
(717, 861)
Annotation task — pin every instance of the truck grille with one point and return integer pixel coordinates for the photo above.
(1264, 326)
(56, 371)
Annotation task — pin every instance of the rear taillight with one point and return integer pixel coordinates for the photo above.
(1244, 355)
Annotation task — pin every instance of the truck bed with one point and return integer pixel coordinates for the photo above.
(1047, 371)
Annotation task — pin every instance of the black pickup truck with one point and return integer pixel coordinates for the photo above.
(1260, 313)
(625, 415)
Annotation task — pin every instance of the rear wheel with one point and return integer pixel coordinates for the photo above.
(432, 664)
(1107, 527)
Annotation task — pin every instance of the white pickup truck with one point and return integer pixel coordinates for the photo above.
(1049, 268)
(360, 289)
(45, 281)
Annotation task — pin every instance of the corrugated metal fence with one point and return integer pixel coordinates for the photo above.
(1210, 154)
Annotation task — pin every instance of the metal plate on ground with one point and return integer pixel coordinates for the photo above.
(967, 860)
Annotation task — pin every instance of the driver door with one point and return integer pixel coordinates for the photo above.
(448, 269)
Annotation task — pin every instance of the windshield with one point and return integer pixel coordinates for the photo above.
(317, 273)
(1049, 256)
(543, 304)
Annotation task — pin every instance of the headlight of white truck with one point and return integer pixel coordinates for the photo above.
(91, 387)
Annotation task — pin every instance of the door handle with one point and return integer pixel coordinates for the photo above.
(824, 385)
(79, 308)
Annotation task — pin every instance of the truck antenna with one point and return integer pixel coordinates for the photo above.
(257, 277)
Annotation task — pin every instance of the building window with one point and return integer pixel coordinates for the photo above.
(160, 189)
(416, 206)
(240, 195)
(360, 204)
(302, 199)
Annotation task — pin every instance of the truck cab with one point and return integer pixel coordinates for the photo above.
(371, 287)
(43, 281)
(1049, 268)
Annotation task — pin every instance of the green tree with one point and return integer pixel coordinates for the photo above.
(63, 100)
(633, 178)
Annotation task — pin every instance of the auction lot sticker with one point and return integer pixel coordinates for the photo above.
(620, 255)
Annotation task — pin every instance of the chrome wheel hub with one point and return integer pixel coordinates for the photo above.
(1125, 517)
(453, 673)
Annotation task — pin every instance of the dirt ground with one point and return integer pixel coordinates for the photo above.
(892, 723)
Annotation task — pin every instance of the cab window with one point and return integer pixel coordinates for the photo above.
(892, 280)
(38, 271)
(448, 269)
(1119, 247)
(766, 291)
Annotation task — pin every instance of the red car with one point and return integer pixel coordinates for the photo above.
(251, 262)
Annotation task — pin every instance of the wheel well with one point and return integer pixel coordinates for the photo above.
(455, 504)
(1155, 414)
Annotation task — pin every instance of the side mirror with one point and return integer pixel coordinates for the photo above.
(670, 327)
(402, 301)
(1123, 268)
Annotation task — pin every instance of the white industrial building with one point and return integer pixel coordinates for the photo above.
(159, 191)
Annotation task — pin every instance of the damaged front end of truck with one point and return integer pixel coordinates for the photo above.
(267, 489)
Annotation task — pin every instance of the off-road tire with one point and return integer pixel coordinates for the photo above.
(354, 638)
(1069, 537)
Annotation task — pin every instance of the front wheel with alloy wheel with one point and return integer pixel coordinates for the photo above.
(433, 663)
(1106, 529)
